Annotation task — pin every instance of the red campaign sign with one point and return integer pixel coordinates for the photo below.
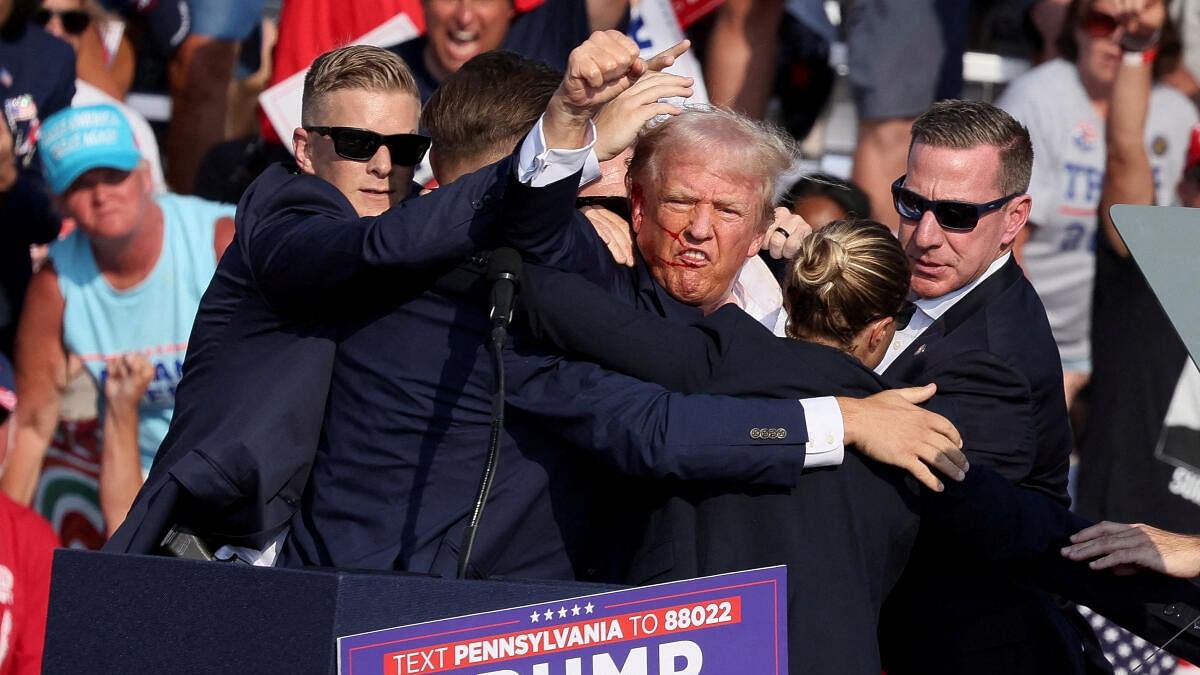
(691, 11)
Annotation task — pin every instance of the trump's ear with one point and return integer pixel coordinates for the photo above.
(303, 150)
(637, 201)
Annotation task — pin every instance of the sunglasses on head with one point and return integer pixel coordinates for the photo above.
(361, 145)
(951, 215)
(74, 21)
(1098, 24)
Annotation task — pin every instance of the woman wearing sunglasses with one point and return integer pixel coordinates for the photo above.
(74, 22)
(99, 81)
(1064, 103)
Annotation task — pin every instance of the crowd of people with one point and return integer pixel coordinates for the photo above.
(882, 380)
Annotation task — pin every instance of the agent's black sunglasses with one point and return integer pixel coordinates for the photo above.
(361, 145)
(951, 215)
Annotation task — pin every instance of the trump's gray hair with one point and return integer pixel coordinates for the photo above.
(753, 149)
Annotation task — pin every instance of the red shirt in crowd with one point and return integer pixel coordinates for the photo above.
(26, 547)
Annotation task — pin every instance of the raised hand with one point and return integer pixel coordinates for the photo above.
(1142, 19)
(618, 123)
(598, 71)
(129, 376)
(785, 235)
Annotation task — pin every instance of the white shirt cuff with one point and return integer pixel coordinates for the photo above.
(539, 166)
(826, 436)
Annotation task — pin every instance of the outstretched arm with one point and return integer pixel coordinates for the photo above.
(128, 377)
(577, 316)
(1128, 176)
(580, 318)
(1126, 548)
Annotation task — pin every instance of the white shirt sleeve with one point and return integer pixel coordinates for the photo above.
(826, 434)
(539, 166)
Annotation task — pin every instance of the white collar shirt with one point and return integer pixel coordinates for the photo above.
(930, 310)
(757, 292)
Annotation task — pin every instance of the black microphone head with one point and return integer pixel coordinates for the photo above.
(505, 263)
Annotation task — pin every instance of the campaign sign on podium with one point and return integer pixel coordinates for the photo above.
(729, 623)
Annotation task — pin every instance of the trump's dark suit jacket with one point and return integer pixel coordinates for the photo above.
(844, 533)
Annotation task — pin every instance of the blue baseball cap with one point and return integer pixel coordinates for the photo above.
(76, 140)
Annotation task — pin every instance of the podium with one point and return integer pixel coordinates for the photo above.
(114, 613)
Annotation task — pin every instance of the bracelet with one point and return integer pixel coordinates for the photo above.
(1141, 58)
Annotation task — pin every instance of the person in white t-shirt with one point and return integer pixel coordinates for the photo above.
(1064, 103)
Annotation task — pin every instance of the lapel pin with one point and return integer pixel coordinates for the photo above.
(920, 350)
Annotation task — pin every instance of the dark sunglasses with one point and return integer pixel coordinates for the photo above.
(951, 215)
(1098, 24)
(74, 21)
(361, 145)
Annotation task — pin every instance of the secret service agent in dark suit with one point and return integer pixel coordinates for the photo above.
(997, 369)
(845, 533)
(235, 461)
(237, 458)
(982, 336)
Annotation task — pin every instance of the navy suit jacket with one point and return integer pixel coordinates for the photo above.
(994, 360)
(407, 428)
(846, 533)
(249, 408)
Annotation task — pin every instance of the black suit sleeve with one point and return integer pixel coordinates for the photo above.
(580, 318)
(1005, 524)
(646, 431)
(991, 404)
(998, 521)
(307, 246)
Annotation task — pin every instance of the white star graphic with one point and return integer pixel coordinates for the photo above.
(589, 607)
(548, 615)
(575, 610)
(562, 612)
(534, 617)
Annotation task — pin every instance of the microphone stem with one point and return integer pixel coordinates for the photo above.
(499, 335)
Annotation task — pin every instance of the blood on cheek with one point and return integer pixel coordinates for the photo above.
(677, 237)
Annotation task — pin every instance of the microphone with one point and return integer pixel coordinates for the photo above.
(504, 274)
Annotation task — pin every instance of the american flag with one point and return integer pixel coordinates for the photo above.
(1125, 651)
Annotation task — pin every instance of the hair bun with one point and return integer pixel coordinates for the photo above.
(821, 262)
